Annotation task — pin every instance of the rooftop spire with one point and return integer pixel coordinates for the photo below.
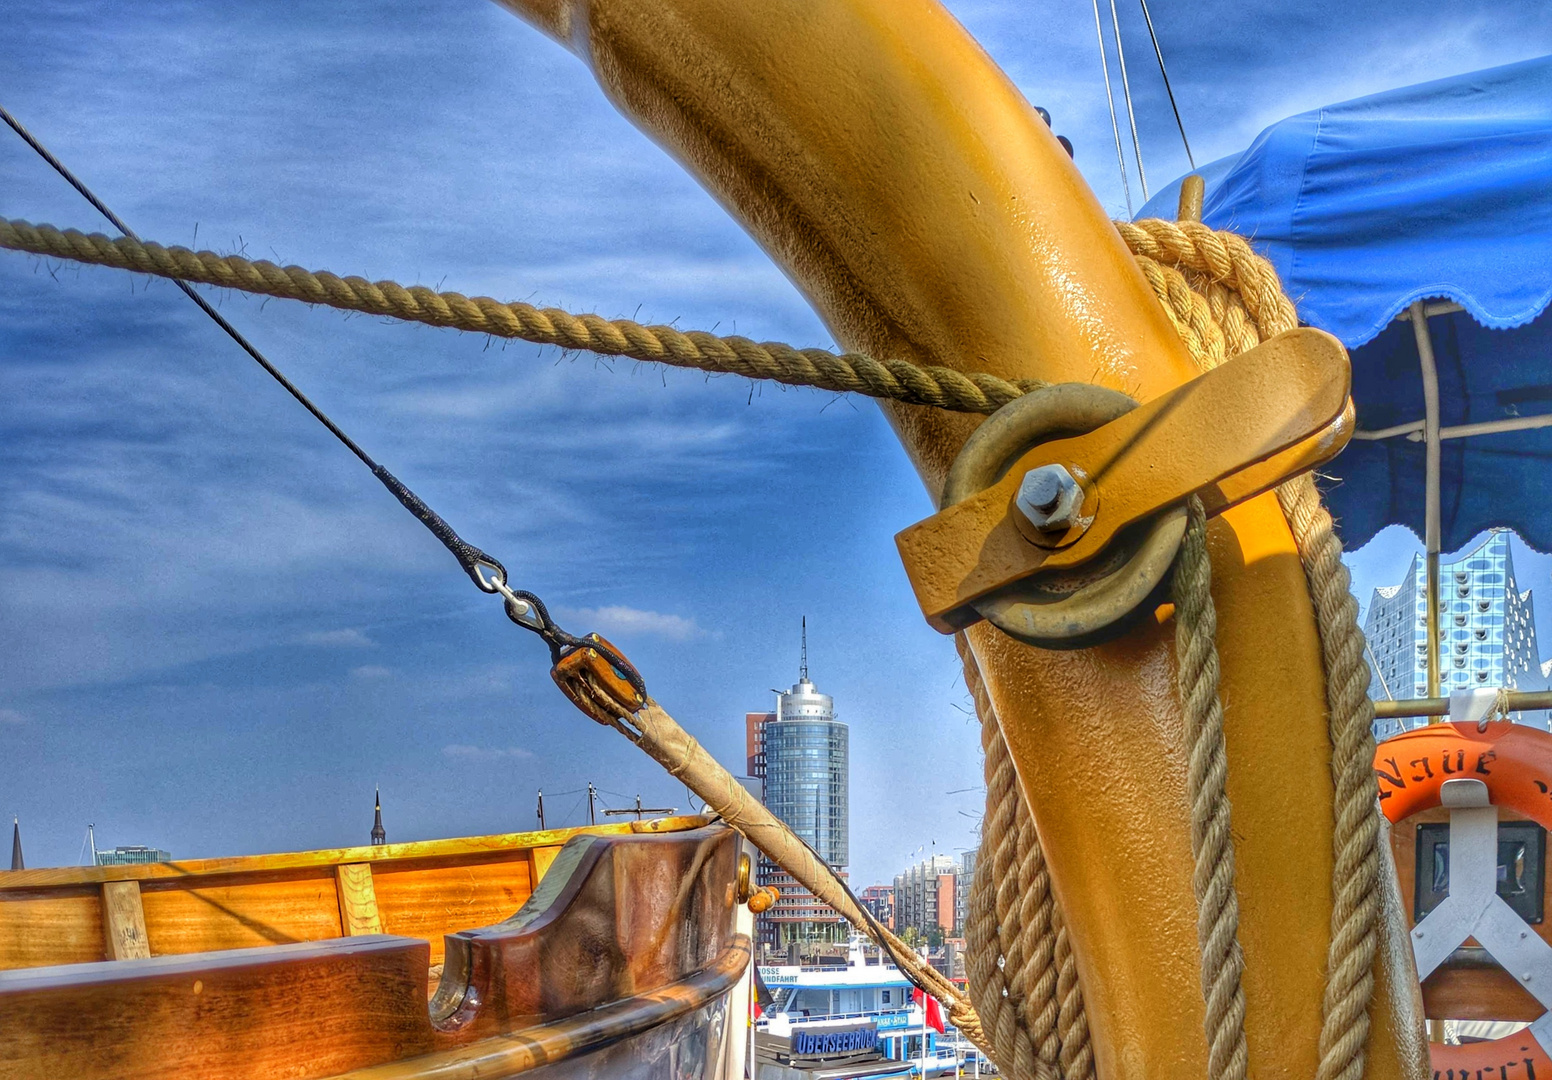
(16, 845)
(378, 835)
(803, 665)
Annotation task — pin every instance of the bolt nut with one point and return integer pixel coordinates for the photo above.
(1050, 498)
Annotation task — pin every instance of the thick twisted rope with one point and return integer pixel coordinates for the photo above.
(1212, 846)
(1010, 933)
(1243, 298)
(897, 380)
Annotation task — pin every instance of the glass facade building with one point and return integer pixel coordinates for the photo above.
(804, 753)
(1487, 632)
(132, 855)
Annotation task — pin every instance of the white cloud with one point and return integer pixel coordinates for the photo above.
(466, 752)
(11, 716)
(370, 671)
(627, 620)
(347, 638)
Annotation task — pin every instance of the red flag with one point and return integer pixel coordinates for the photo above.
(933, 1009)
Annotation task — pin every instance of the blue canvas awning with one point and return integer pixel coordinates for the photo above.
(1441, 190)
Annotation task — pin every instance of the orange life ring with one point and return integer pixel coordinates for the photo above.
(1515, 764)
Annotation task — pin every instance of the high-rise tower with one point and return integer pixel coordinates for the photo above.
(805, 757)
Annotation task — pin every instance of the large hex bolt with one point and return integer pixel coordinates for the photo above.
(1050, 498)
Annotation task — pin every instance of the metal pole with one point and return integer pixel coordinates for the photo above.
(1431, 524)
(924, 1035)
(592, 816)
(541, 808)
(1516, 700)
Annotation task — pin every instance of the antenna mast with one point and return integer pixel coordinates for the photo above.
(803, 666)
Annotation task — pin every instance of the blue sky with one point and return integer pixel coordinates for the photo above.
(218, 633)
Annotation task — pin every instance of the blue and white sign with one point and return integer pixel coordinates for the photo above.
(826, 1042)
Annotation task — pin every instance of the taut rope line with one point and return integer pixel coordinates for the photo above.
(898, 380)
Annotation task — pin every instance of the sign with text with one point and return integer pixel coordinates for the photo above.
(825, 1042)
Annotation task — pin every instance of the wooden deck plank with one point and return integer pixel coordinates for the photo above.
(57, 926)
(431, 901)
(240, 912)
(296, 1011)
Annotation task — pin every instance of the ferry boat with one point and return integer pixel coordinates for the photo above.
(868, 1004)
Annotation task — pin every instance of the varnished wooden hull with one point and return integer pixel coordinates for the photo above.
(621, 956)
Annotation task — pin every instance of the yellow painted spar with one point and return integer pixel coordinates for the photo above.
(923, 207)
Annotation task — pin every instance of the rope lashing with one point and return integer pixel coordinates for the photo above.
(855, 373)
(1224, 299)
(1023, 977)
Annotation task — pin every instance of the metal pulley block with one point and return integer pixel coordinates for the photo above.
(1062, 514)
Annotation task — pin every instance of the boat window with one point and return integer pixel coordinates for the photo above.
(812, 1003)
(883, 997)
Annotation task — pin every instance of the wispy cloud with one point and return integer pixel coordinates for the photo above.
(12, 716)
(467, 752)
(347, 638)
(628, 620)
(371, 672)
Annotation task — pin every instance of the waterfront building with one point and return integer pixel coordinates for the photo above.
(925, 894)
(754, 743)
(963, 876)
(802, 751)
(132, 854)
(879, 900)
(1487, 632)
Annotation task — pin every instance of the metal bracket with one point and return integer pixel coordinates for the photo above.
(1236, 431)
(1473, 908)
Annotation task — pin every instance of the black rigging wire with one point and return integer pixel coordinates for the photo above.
(1167, 88)
(523, 608)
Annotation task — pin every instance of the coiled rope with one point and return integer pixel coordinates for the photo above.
(1222, 299)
